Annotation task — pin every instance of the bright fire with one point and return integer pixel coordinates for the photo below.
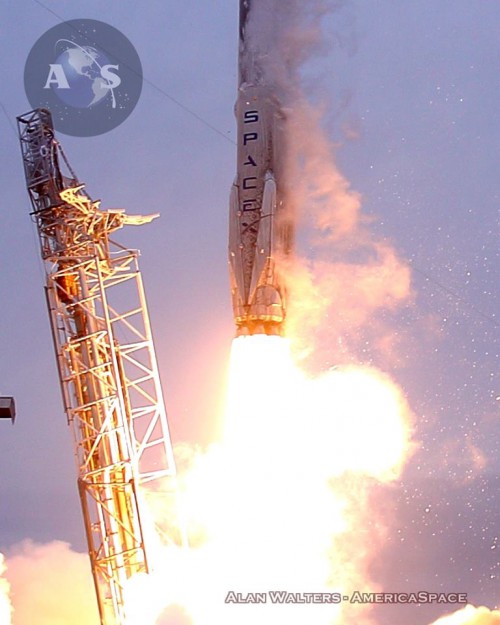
(265, 508)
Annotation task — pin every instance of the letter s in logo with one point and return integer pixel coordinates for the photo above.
(112, 79)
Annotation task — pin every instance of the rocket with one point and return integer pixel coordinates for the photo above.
(260, 226)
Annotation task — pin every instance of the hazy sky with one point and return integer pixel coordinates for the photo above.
(411, 92)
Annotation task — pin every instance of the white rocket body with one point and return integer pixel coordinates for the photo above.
(260, 229)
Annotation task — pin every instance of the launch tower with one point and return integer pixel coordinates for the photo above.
(107, 366)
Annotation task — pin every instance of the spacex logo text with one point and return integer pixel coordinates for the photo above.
(249, 182)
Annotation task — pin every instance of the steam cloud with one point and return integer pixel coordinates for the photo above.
(471, 615)
(5, 604)
(49, 585)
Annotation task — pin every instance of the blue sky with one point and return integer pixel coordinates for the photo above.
(412, 91)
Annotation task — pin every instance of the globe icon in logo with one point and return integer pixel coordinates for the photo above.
(87, 73)
(83, 70)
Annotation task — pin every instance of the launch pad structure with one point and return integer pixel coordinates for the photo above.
(107, 368)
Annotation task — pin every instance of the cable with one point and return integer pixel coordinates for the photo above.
(14, 130)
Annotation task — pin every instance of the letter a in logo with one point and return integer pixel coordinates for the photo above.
(56, 77)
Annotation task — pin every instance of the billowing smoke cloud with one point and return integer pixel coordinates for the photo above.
(50, 584)
(351, 278)
(5, 604)
(471, 615)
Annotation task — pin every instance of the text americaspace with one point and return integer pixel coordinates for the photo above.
(283, 596)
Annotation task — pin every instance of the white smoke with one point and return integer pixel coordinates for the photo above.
(5, 604)
(471, 615)
(50, 584)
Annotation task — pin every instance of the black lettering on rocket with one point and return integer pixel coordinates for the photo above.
(247, 185)
(250, 161)
(250, 136)
(250, 117)
(249, 205)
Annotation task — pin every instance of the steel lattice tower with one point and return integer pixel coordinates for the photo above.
(107, 367)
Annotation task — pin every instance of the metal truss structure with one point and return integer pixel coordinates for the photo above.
(107, 367)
